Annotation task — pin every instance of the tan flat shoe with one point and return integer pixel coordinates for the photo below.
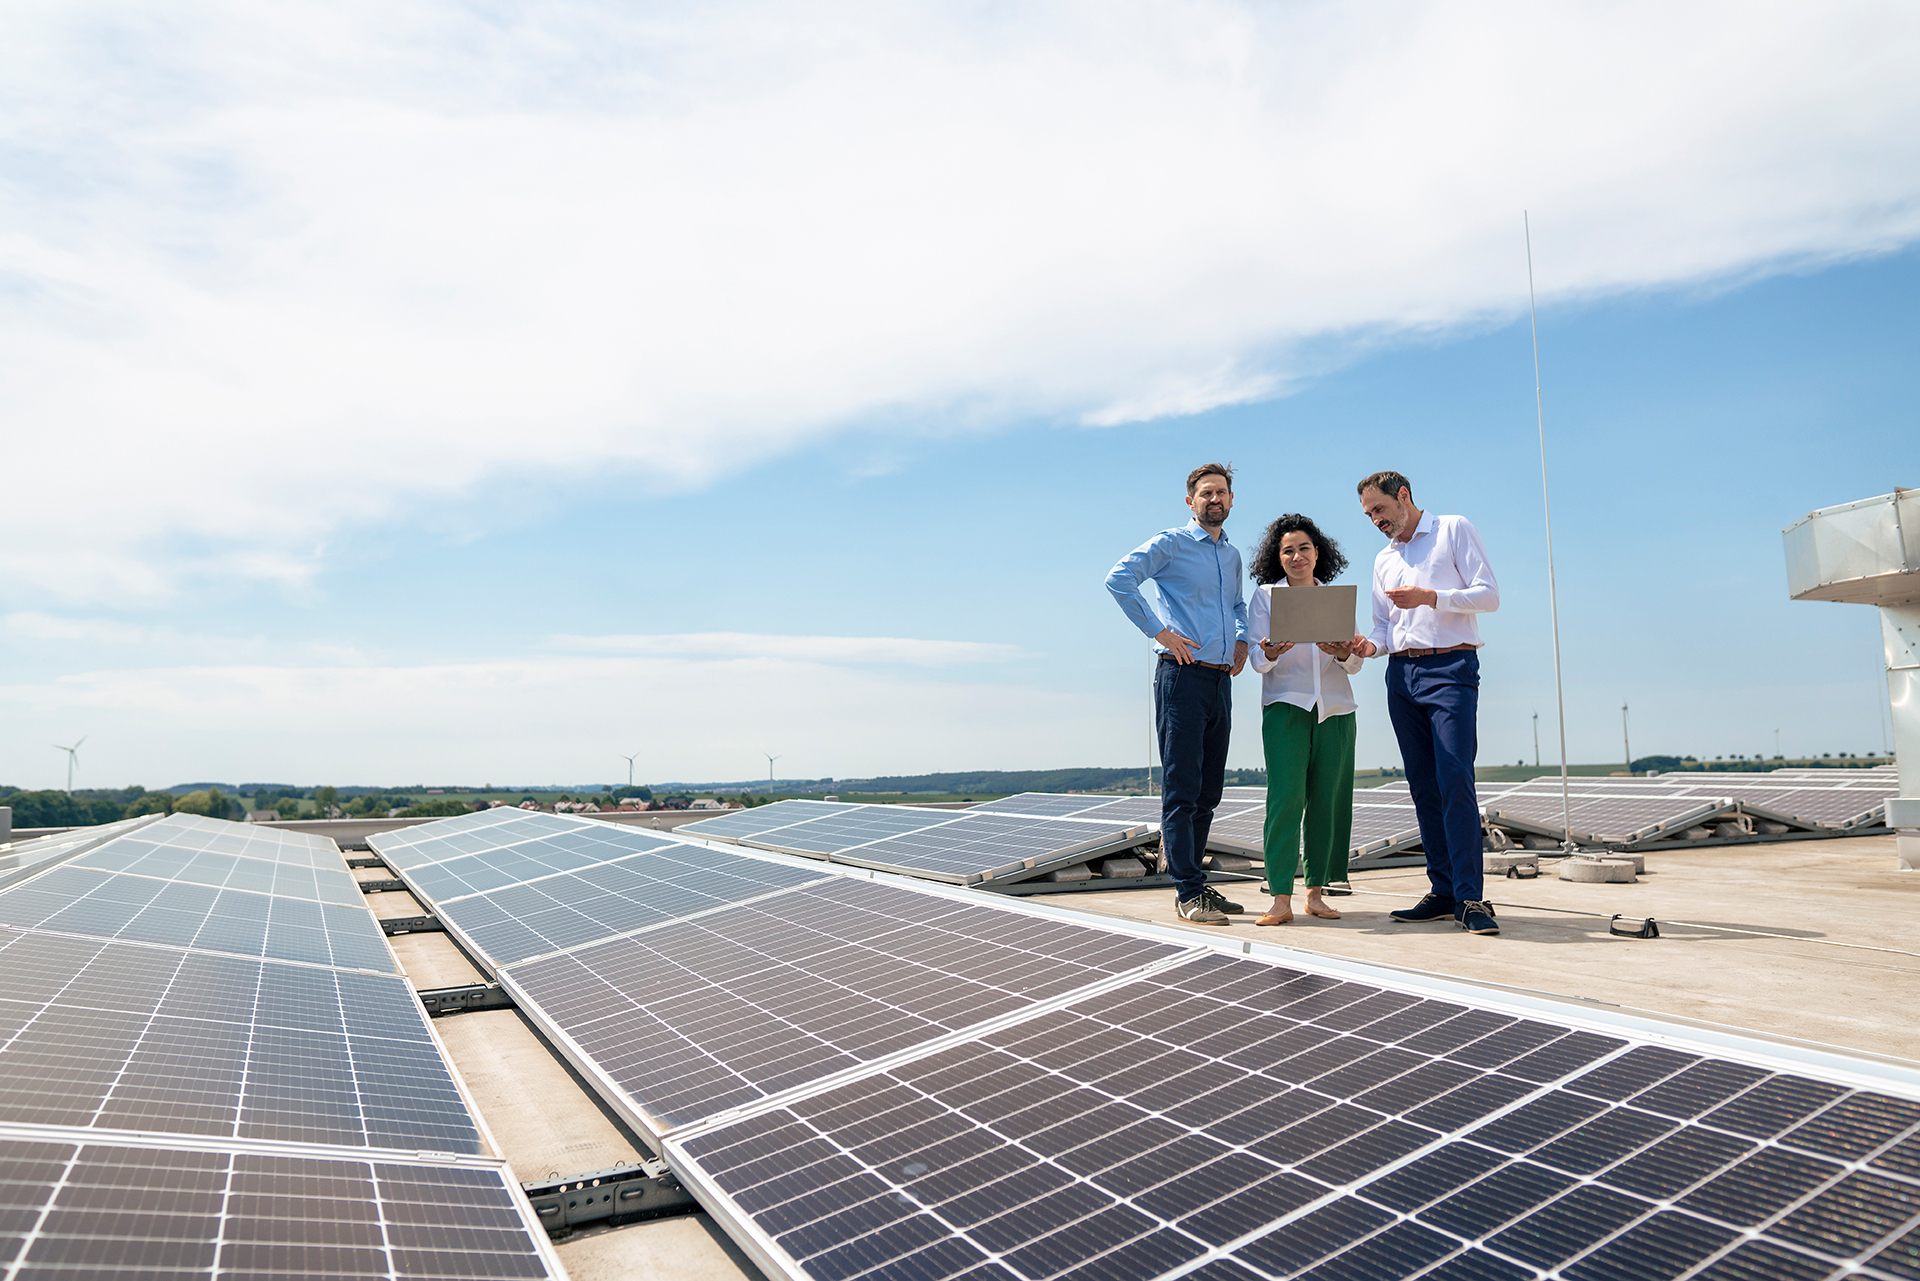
(1323, 911)
(1270, 919)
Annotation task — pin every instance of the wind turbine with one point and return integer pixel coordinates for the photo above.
(770, 760)
(73, 759)
(629, 760)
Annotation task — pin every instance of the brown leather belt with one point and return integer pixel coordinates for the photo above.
(1218, 667)
(1423, 653)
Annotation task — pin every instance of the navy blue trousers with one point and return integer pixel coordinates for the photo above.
(1193, 707)
(1434, 703)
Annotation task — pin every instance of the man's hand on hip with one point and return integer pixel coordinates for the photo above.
(1177, 645)
(1239, 657)
(1412, 597)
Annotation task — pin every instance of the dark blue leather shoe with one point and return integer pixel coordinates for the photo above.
(1430, 908)
(1477, 918)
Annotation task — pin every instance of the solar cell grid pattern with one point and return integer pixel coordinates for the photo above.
(1232, 1120)
(77, 900)
(693, 1018)
(832, 833)
(452, 837)
(72, 1209)
(746, 823)
(564, 846)
(263, 875)
(975, 847)
(559, 912)
(119, 1037)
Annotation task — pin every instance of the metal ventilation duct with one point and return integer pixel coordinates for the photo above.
(1868, 553)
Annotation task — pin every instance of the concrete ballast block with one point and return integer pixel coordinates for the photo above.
(1597, 871)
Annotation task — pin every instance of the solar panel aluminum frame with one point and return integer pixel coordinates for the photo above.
(1871, 1072)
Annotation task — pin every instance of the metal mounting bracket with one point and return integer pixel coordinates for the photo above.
(411, 925)
(647, 1190)
(382, 887)
(440, 1001)
(1649, 929)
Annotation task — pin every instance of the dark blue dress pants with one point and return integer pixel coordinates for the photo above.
(1434, 703)
(1193, 707)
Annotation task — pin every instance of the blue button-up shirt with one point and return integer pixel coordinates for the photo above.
(1199, 582)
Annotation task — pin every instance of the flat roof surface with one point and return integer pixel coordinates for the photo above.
(1808, 940)
(1812, 941)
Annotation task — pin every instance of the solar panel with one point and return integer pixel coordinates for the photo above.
(558, 912)
(698, 1016)
(1618, 813)
(971, 849)
(18, 859)
(73, 1208)
(746, 823)
(77, 900)
(1232, 1118)
(509, 903)
(560, 849)
(965, 847)
(113, 1036)
(1044, 804)
(186, 1103)
(289, 879)
(850, 827)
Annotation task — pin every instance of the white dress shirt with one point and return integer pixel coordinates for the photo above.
(1305, 675)
(1444, 554)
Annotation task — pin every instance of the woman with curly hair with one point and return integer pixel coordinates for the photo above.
(1306, 723)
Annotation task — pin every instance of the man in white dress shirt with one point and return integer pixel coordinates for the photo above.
(1429, 582)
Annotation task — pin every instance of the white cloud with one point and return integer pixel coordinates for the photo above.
(266, 270)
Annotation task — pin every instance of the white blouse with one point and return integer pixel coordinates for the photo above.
(1305, 675)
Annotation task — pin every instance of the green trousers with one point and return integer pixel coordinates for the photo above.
(1310, 777)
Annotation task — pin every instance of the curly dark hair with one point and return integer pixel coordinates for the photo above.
(1266, 567)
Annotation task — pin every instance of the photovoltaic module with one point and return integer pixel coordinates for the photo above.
(210, 1067)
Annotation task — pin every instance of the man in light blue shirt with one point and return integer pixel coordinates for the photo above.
(1202, 644)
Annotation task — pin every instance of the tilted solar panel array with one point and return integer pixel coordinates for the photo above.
(1609, 811)
(1664, 808)
(886, 1080)
(997, 843)
(208, 1064)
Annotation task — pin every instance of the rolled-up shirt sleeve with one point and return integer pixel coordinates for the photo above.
(1351, 665)
(1241, 631)
(1382, 632)
(1481, 595)
(1124, 581)
(1259, 623)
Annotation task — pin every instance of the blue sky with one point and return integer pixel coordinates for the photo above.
(487, 417)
